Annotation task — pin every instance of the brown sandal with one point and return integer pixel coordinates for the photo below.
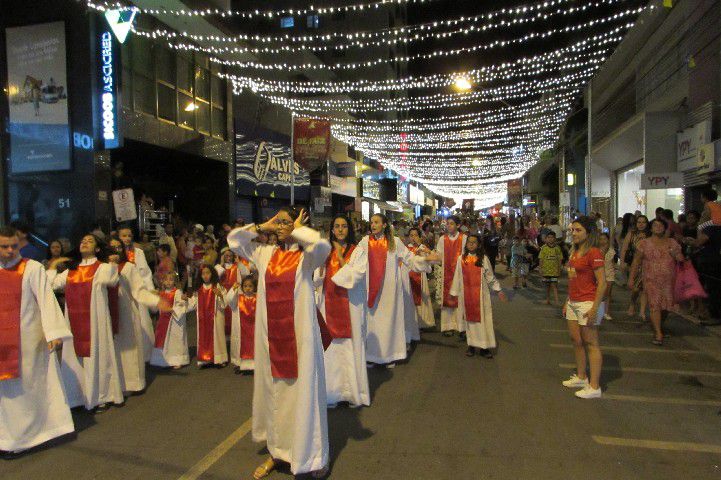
(264, 469)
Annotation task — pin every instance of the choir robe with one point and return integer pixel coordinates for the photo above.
(220, 350)
(242, 336)
(229, 275)
(93, 380)
(137, 257)
(133, 296)
(410, 317)
(346, 374)
(386, 339)
(290, 414)
(33, 406)
(171, 343)
(424, 311)
(478, 334)
(451, 318)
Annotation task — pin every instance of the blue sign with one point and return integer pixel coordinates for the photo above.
(109, 115)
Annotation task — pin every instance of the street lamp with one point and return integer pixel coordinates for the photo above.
(462, 84)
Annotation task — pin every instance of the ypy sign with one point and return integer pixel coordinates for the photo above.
(654, 181)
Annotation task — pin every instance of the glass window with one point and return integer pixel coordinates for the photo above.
(142, 55)
(166, 65)
(186, 110)
(201, 60)
(126, 88)
(202, 83)
(125, 54)
(203, 117)
(217, 86)
(219, 123)
(185, 75)
(166, 102)
(144, 94)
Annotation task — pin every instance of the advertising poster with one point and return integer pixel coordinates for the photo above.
(262, 165)
(311, 142)
(37, 91)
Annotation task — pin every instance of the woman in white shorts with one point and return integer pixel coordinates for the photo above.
(584, 308)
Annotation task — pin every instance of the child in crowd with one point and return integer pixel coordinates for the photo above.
(472, 282)
(550, 258)
(520, 260)
(242, 345)
(164, 265)
(609, 255)
(209, 305)
(171, 337)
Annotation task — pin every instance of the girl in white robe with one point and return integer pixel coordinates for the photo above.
(89, 364)
(33, 406)
(472, 283)
(231, 272)
(171, 337)
(386, 340)
(289, 395)
(242, 299)
(419, 285)
(449, 248)
(209, 303)
(346, 374)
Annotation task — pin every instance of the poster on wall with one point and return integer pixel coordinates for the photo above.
(124, 205)
(37, 93)
(311, 142)
(262, 165)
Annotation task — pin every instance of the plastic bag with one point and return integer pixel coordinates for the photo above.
(687, 284)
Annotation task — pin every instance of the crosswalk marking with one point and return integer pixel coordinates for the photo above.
(662, 400)
(657, 445)
(657, 371)
(632, 349)
(601, 331)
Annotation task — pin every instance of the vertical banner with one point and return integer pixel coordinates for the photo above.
(108, 64)
(37, 93)
(311, 142)
(515, 193)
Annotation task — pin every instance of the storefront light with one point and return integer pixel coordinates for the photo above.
(191, 106)
(570, 179)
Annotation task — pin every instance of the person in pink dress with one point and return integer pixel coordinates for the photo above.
(657, 256)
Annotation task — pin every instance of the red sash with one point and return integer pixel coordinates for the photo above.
(325, 337)
(472, 280)
(113, 303)
(11, 289)
(451, 252)
(280, 306)
(377, 256)
(130, 254)
(415, 278)
(230, 278)
(206, 324)
(246, 306)
(337, 308)
(161, 329)
(78, 301)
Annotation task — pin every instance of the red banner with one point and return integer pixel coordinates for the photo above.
(311, 142)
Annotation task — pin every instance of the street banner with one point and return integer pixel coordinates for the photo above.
(311, 142)
(37, 93)
(653, 181)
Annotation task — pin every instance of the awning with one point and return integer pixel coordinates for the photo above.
(389, 206)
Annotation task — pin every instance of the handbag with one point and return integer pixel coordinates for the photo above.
(687, 285)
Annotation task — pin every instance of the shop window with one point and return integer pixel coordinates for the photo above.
(219, 123)
(185, 75)
(126, 84)
(201, 60)
(166, 65)
(203, 116)
(142, 55)
(186, 110)
(144, 94)
(217, 94)
(167, 109)
(202, 83)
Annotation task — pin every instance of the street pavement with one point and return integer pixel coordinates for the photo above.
(441, 415)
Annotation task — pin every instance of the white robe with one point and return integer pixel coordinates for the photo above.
(245, 364)
(33, 407)
(426, 318)
(94, 380)
(478, 334)
(175, 349)
(410, 315)
(386, 340)
(290, 415)
(220, 350)
(451, 318)
(133, 296)
(146, 323)
(346, 374)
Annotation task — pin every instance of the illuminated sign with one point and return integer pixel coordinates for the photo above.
(109, 130)
(120, 22)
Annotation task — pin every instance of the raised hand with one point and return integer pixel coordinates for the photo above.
(302, 219)
(270, 226)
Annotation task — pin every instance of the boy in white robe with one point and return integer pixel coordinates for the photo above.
(449, 248)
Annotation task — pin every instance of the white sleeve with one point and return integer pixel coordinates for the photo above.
(107, 275)
(315, 248)
(231, 298)
(55, 326)
(58, 280)
(192, 303)
(139, 291)
(353, 272)
(319, 277)
(240, 241)
(180, 306)
(220, 300)
(141, 263)
(457, 282)
(414, 262)
(439, 245)
(491, 280)
(220, 270)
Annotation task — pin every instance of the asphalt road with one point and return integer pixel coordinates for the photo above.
(441, 415)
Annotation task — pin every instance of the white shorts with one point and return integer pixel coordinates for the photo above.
(576, 310)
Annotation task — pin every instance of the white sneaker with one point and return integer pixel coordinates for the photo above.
(575, 382)
(391, 365)
(589, 392)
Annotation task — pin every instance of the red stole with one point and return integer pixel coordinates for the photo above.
(78, 297)
(11, 289)
(472, 281)
(130, 253)
(246, 307)
(451, 252)
(280, 306)
(415, 278)
(337, 308)
(230, 278)
(377, 256)
(113, 303)
(206, 324)
(161, 329)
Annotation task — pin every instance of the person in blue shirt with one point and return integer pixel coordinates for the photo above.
(27, 249)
